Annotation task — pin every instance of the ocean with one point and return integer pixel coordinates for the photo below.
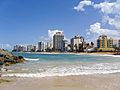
(47, 65)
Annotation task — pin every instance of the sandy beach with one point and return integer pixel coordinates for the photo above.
(87, 53)
(98, 75)
(82, 82)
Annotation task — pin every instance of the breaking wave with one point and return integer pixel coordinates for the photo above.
(31, 59)
(103, 55)
(103, 68)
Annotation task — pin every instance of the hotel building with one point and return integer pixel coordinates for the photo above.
(77, 43)
(65, 46)
(104, 44)
(49, 45)
(31, 48)
(19, 48)
(58, 41)
(41, 46)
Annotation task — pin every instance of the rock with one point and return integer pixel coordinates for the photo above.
(7, 58)
(20, 57)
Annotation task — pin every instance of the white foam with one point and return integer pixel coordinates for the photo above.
(36, 75)
(30, 59)
(104, 55)
(102, 68)
(115, 55)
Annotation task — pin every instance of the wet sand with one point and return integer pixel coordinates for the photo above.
(99, 53)
(86, 82)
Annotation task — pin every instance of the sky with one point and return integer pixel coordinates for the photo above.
(30, 21)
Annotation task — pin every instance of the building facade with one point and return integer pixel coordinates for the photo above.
(48, 47)
(102, 41)
(41, 47)
(31, 48)
(104, 44)
(58, 41)
(19, 48)
(110, 43)
(65, 46)
(77, 43)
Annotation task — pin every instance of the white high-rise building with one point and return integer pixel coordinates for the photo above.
(31, 48)
(19, 48)
(65, 46)
(41, 46)
(49, 45)
(77, 43)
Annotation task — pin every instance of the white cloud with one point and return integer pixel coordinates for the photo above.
(88, 33)
(52, 32)
(96, 29)
(105, 7)
(6, 46)
(44, 38)
(115, 22)
(50, 35)
(82, 4)
(108, 8)
(110, 15)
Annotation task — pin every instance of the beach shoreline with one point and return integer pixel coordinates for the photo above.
(80, 82)
(79, 53)
(95, 81)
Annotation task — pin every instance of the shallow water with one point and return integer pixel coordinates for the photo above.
(42, 65)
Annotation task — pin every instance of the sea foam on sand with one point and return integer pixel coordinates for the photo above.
(102, 68)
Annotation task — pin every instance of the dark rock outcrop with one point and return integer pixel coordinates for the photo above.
(7, 58)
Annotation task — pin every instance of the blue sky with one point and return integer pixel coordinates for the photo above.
(25, 21)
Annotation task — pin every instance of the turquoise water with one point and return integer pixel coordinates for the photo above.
(42, 65)
(69, 57)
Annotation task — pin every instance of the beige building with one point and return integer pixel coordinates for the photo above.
(105, 44)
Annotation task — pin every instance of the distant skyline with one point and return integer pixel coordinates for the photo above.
(28, 21)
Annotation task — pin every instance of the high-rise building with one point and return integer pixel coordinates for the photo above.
(104, 44)
(48, 47)
(16, 48)
(102, 41)
(110, 43)
(31, 48)
(19, 48)
(41, 46)
(65, 46)
(77, 43)
(58, 41)
(115, 43)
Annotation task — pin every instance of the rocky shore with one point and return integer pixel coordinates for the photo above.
(7, 58)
